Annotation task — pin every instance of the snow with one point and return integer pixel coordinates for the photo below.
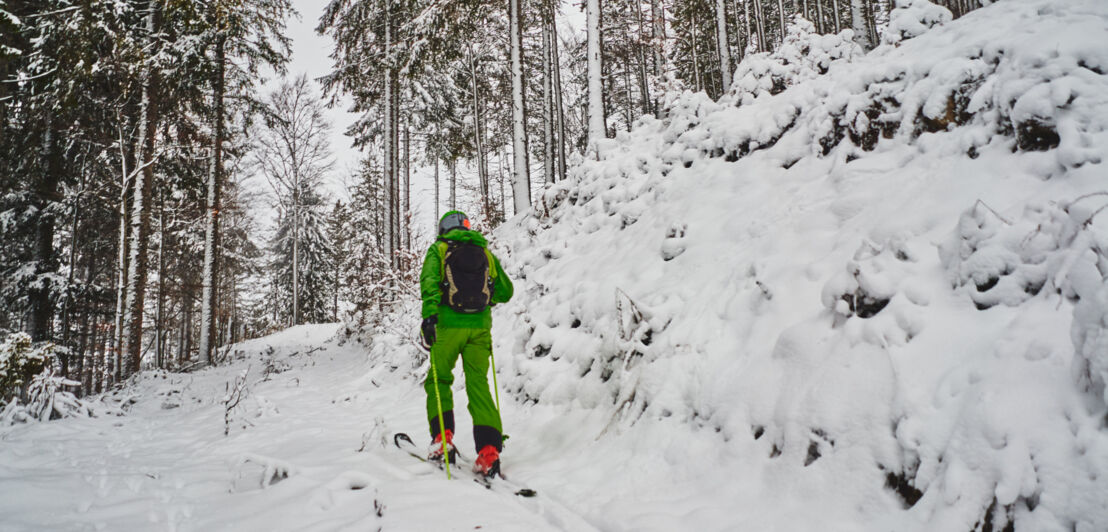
(859, 292)
(294, 465)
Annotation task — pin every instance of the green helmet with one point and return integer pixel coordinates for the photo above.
(453, 220)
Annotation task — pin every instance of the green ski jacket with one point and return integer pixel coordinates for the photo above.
(430, 284)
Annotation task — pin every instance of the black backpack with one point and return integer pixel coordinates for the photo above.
(467, 277)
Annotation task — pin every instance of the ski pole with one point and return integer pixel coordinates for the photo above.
(495, 387)
(442, 424)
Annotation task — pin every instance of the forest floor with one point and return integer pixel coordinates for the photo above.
(320, 418)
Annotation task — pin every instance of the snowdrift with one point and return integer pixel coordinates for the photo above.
(859, 291)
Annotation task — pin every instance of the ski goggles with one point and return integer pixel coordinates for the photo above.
(454, 220)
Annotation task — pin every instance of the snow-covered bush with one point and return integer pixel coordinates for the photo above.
(912, 18)
(28, 373)
(20, 361)
(999, 262)
(48, 399)
(878, 288)
(1085, 270)
(802, 56)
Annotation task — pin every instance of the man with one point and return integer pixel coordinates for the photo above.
(461, 280)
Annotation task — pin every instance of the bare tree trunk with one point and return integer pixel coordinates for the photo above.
(746, 24)
(547, 95)
(697, 84)
(140, 218)
(838, 20)
(478, 137)
(46, 189)
(95, 362)
(628, 110)
(722, 45)
(390, 147)
(657, 45)
(396, 200)
(521, 172)
(159, 317)
(87, 351)
(781, 18)
(186, 336)
(210, 282)
(116, 342)
(68, 301)
(858, 23)
(640, 55)
(453, 183)
(760, 20)
(871, 21)
(559, 110)
(437, 189)
(597, 128)
(407, 187)
(296, 256)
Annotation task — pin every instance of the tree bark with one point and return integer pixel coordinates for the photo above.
(46, 191)
(657, 40)
(296, 255)
(210, 282)
(453, 183)
(140, 217)
(559, 110)
(640, 55)
(111, 353)
(597, 129)
(858, 24)
(389, 146)
(547, 96)
(159, 317)
(407, 220)
(478, 138)
(722, 45)
(781, 18)
(521, 173)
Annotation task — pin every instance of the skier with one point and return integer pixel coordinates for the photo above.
(461, 279)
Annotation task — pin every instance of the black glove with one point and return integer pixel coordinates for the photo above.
(427, 331)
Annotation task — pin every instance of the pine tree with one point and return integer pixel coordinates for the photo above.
(340, 235)
(245, 35)
(302, 254)
(366, 267)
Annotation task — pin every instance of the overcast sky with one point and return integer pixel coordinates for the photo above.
(310, 56)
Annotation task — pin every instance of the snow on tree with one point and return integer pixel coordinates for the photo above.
(597, 129)
(293, 154)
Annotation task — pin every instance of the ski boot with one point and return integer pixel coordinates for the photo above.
(435, 451)
(488, 462)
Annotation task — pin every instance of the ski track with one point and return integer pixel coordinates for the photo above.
(173, 469)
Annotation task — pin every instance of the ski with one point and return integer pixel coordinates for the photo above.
(405, 443)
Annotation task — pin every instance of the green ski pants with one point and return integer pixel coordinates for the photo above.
(475, 347)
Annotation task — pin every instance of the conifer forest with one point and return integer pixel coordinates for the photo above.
(130, 127)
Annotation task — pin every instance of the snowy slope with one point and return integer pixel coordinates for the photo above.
(853, 304)
(860, 292)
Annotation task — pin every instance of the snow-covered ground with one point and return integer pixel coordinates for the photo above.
(860, 292)
(304, 452)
